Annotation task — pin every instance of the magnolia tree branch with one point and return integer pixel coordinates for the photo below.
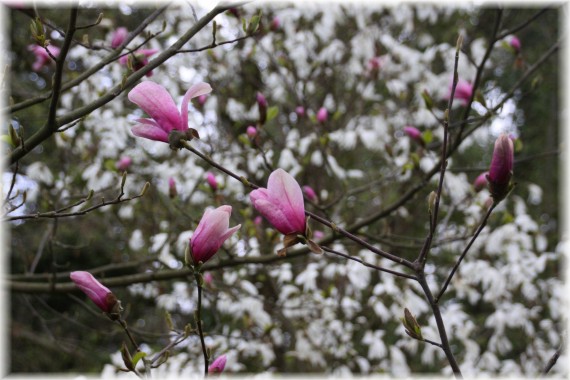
(45, 132)
(111, 57)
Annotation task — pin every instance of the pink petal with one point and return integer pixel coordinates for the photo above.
(275, 216)
(285, 192)
(150, 132)
(198, 89)
(157, 102)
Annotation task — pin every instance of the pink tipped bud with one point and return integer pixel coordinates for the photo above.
(99, 294)
(257, 220)
(202, 99)
(501, 169)
(251, 132)
(217, 365)
(322, 115)
(281, 203)
(463, 91)
(119, 36)
(310, 193)
(515, 44)
(211, 233)
(480, 182)
(123, 163)
(275, 24)
(208, 278)
(300, 111)
(414, 134)
(262, 105)
(261, 101)
(172, 192)
(211, 179)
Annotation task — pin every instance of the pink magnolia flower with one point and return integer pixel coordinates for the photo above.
(463, 91)
(172, 191)
(310, 193)
(139, 59)
(251, 131)
(257, 220)
(515, 43)
(123, 163)
(300, 111)
(281, 203)
(159, 105)
(217, 365)
(42, 57)
(414, 134)
(211, 233)
(322, 115)
(480, 182)
(211, 179)
(119, 36)
(99, 294)
(501, 169)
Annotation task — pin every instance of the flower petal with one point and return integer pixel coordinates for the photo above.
(150, 132)
(157, 102)
(285, 192)
(198, 89)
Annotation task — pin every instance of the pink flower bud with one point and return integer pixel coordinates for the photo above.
(257, 220)
(208, 278)
(480, 182)
(202, 99)
(42, 56)
(261, 101)
(300, 110)
(275, 24)
(172, 192)
(99, 294)
(251, 132)
(310, 193)
(211, 179)
(281, 203)
(217, 365)
(139, 59)
(322, 115)
(463, 91)
(414, 134)
(119, 36)
(211, 233)
(515, 44)
(123, 163)
(501, 169)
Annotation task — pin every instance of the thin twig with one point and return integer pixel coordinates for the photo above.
(366, 264)
(199, 323)
(456, 266)
(553, 359)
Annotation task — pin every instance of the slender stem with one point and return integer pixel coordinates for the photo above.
(456, 266)
(433, 219)
(123, 323)
(440, 325)
(553, 359)
(433, 343)
(366, 264)
(199, 323)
